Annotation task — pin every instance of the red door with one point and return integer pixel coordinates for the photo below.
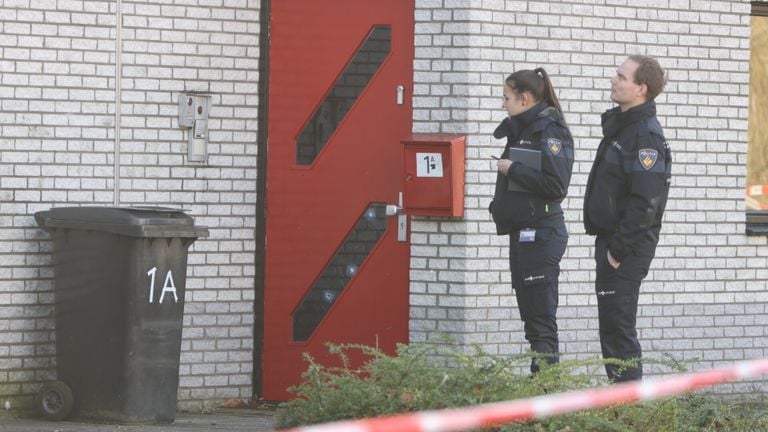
(340, 86)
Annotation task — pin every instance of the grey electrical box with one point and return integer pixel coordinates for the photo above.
(193, 113)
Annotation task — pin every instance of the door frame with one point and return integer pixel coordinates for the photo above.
(260, 233)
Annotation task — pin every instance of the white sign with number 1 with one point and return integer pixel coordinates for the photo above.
(168, 286)
(429, 165)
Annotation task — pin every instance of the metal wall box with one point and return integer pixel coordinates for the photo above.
(433, 182)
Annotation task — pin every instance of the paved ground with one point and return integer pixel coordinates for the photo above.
(235, 420)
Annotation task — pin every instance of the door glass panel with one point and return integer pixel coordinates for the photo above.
(340, 271)
(344, 93)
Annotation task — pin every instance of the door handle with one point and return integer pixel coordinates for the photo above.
(392, 210)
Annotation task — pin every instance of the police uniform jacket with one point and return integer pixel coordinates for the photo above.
(629, 183)
(540, 128)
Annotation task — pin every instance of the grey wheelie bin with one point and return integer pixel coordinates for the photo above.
(119, 282)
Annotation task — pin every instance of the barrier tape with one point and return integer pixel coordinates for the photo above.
(757, 190)
(756, 196)
(457, 419)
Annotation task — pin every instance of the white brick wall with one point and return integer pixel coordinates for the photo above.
(705, 298)
(57, 135)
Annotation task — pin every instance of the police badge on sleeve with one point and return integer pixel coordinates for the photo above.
(554, 145)
(648, 158)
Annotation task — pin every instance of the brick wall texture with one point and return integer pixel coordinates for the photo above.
(704, 300)
(58, 95)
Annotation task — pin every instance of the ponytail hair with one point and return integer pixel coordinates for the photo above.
(535, 82)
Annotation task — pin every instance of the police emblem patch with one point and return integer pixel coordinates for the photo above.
(554, 145)
(648, 158)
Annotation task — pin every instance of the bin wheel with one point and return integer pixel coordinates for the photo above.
(55, 400)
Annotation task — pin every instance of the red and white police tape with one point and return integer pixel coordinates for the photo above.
(458, 419)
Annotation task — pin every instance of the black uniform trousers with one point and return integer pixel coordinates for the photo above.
(617, 295)
(535, 267)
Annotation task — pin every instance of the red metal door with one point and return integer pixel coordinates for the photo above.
(334, 268)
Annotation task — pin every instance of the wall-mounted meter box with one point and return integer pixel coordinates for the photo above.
(193, 114)
(433, 183)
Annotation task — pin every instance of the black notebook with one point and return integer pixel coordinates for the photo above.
(527, 157)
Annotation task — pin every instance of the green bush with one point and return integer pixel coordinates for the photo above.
(422, 377)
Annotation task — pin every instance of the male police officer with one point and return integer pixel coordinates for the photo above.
(623, 205)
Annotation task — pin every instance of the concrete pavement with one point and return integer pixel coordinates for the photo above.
(231, 420)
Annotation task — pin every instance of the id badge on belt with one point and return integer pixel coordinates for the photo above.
(527, 235)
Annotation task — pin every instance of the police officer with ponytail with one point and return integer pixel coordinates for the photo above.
(534, 172)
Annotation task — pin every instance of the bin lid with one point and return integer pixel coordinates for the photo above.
(127, 221)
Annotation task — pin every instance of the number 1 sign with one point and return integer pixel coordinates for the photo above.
(429, 165)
